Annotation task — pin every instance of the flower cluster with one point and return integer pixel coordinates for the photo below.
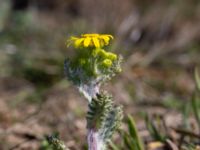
(92, 61)
(107, 57)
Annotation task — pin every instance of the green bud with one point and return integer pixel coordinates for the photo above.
(111, 56)
(96, 52)
(107, 62)
(102, 53)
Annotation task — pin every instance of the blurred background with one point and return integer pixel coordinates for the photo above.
(160, 43)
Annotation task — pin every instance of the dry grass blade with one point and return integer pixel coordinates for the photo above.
(186, 133)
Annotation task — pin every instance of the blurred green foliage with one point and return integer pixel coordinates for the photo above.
(132, 141)
(130, 138)
(53, 143)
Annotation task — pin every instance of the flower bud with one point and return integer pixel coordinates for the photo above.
(107, 62)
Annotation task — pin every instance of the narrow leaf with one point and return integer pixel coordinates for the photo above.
(134, 134)
(197, 79)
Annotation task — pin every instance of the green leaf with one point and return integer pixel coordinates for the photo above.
(196, 108)
(154, 131)
(197, 79)
(113, 146)
(134, 134)
(127, 142)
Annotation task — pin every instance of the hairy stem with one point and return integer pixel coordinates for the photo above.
(94, 142)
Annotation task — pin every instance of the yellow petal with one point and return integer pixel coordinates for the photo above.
(108, 35)
(96, 42)
(87, 41)
(106, 39)
(73, 38)
(78, 42)
(102, 43)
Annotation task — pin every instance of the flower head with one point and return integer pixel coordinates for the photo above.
(91, 40)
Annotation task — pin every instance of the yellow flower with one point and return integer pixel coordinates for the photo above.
(91, 40)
